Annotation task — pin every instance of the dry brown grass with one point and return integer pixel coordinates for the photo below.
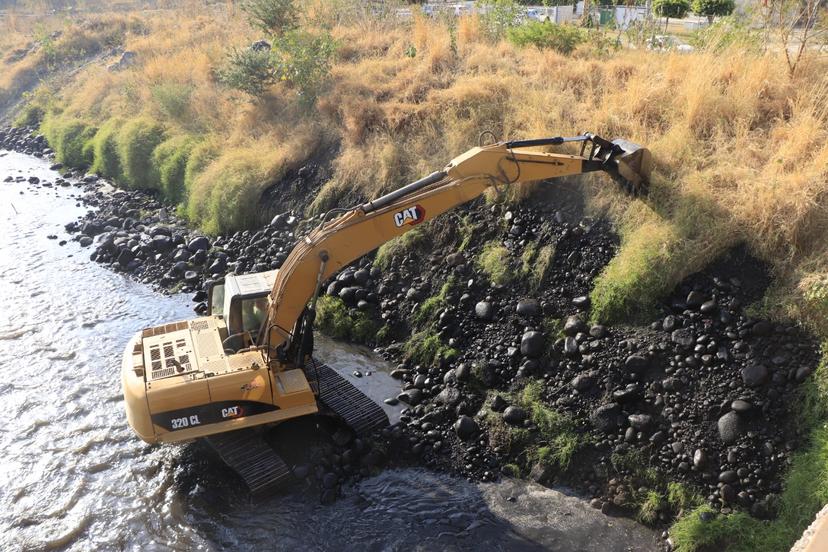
(740, 147)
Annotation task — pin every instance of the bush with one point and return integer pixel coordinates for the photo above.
(68, 138)
(173, 99)
(498, 16)
(543, 35)
(105, 150)
(200, 157)
(271, 16)
(727, 32)
(225, 196)
(303, 60)
(135, 144)
(171, 159)
(248, 70)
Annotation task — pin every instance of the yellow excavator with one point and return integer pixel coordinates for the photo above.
(248, 363)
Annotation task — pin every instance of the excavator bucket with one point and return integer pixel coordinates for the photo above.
(633, 164)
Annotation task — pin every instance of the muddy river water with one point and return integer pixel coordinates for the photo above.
(74, 477)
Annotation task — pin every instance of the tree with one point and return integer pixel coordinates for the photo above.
(671, 8)
(713, 8)
(272, 16)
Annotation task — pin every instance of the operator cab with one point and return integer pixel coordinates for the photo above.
(242, 301)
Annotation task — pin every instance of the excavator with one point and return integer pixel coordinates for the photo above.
(248, 364)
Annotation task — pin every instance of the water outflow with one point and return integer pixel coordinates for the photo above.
(73, 476)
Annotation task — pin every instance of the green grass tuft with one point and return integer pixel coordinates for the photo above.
(171, 159)
(556, 431)
(494, 261)
(105, 151)
(390, 250)
(429, 308)
(425, 347)
(135, 143)
(334, 319)
(69, 137)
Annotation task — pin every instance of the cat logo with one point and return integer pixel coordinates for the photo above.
(232, 412)
(411, 215)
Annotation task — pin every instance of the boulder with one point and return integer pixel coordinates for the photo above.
(730, 428)
(605, 417)
(465, 427)
(531, 344)
(514, 415)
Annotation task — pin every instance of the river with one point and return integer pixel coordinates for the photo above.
(74, 477)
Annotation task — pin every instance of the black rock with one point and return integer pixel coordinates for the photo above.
(741, 406)
(605, 417)
(581, 303)
(531, 344)
(412, 396)
(499, 404)
(636, 363)
(640, 422)
(695, 299)
(574, 325)
(762, 328)
(570, 346)
(728, 476)
(449, 397)
(709, 307)
(730, 428)
(598, 331)
(199, 243)
(582, 382)
(527, 307)
(699, 459)
(483, 310)
(754, 375)
(514, 415)
(630, 393)
(682, 337)
(465, 427)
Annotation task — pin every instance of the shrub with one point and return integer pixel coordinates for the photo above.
(271, 16)
(248, 70)
(303, 60)
(200, 157)
(225, 196)
(498, 16)
(135, 144)
(30, 115)
(425, 347)
(105, 150)
(68, 136)
(173, 99)
(171, 159)
(725, 33)
(544, 35)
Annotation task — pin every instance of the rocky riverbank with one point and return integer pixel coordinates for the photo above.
(487, 314)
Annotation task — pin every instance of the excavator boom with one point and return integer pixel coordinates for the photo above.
(334, 244)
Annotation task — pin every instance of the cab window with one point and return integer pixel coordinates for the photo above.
(247, 315)
(216, 300)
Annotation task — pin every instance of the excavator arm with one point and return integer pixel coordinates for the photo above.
(336, 243)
